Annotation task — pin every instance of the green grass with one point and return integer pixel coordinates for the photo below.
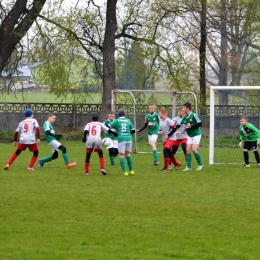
(58, 213)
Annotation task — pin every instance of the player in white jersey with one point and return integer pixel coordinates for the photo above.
(92, 137)
(182, 136)
(166, 131)
(27, 129)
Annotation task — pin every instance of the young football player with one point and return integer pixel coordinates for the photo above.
(152, 122)
(192, 123)
(250, 135)
(27, 129)
(113, 148)
(167, 128)
(92, 137)
(124, 128)
(52, 140)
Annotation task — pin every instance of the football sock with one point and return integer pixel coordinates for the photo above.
(102, 163)
(246, 157)
(189, 159)
(122, 163)
(198, 158)
(257, 156)
(130, 162)
(47, 159)
(12, 158)
(86, 166)
(155, 155)
(33, 161)
(112, 159)
(174, 161)
(166, 162)
(66, 158)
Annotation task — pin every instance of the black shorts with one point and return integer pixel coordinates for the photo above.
(250, 145)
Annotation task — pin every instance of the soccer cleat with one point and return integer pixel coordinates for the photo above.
(176, 167)
(125, 173)
(132, 172)
(70, 165)
(103, 171)
(30, 169)
(113, 163)
(200, 168)
(169, 166)
(258, 165)
(156, 163)
(6, 166)
(165, 169)
(246, 165)
(187, 169)
(41, 163)
(87, 173)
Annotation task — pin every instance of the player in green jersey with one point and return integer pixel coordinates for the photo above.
(113, 148)
(52, 140)
(251, 137)
(152, 122)
(192, 123)
(124, 128)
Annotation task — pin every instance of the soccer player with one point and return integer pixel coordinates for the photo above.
(92, 137)
(182, 133)
(250, 135)
(192, 123)
(167, 128)
(113, 148)
(124, 128)
(152, 122)
(27, 129)
(52, 140)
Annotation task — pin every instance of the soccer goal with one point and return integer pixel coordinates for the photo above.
(225, 120)
(136, 103)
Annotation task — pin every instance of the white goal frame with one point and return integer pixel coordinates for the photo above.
(131, 91)
(213, 89)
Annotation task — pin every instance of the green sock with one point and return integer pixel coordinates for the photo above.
(188, 158)
(122, 163)
(47, 159)
(155, 156)
(130, 162)
(112, 159)
(198, 158)
(66, 158)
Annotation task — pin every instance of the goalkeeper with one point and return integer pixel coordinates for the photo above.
(250, 135)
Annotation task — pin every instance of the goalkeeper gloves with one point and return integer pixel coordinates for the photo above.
(240, 144)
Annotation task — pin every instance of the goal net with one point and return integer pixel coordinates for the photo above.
(136, 103)
(225, 120)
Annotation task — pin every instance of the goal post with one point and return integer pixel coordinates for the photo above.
(166, 93)
(244, 103)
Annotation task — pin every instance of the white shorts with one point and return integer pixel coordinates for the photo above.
(125, 147)
(194, 139)
(152, 138)
(113, 145)
(94, 143)
(54, 145)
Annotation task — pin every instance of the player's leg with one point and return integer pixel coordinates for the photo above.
(255, 151)
(152, 141)
(121, 150)
(167, 160)
(246, 148)
(195, 150)
(54, 147)
(33, 148)
(188, 154)
(66, 157)
(128, 150)
(183, 146)
(87, 160)
(101, 160)
(13, 156)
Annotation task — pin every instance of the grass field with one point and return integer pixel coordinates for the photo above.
(58, 213)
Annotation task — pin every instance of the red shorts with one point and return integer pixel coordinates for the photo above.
(31, 147)
(180, 141)
(168, 144)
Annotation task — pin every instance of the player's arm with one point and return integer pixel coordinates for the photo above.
(173, 130)
(48, 132)
(108, 129)
(198, 124)
(84, 139)
(143, 127)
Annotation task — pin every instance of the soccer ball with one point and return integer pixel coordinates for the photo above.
(106, 141)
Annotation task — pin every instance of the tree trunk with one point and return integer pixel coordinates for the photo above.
(15, 25)
(109, 57)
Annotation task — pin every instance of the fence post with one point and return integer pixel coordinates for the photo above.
(74, 115)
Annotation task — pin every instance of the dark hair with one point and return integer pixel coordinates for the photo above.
(187, 105)
(121, 112)
(50, 115)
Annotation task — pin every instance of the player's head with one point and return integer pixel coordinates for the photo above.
(111, 116)
(180, 111)
(152, 107)
(163, 113)
(94, 116)
(187, 107)
(51, 118)
(121, 112)
(28, 112)
(243, 120)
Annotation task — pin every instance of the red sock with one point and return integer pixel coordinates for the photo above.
(12, 158)
(102, 163)
(32, 162)
(166, 162)
(174, 161)
(86, 166)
